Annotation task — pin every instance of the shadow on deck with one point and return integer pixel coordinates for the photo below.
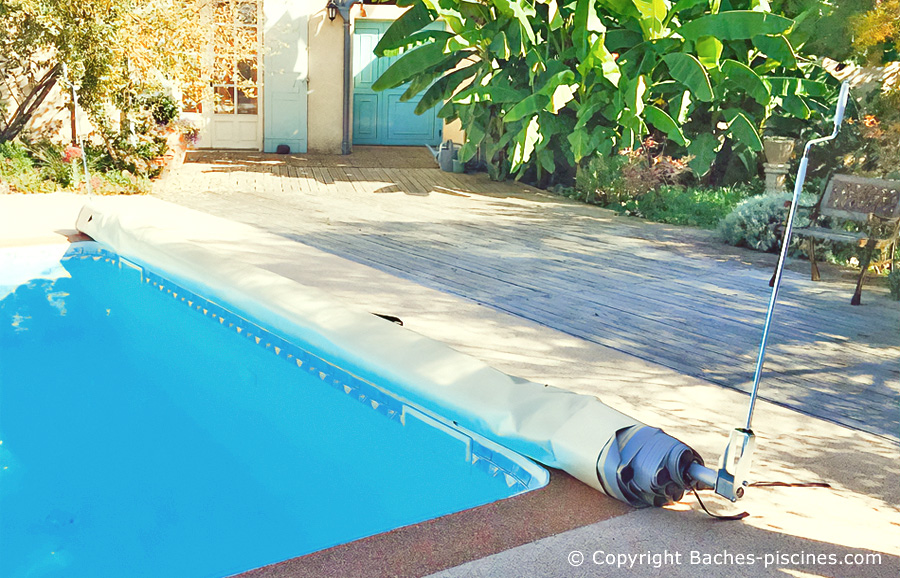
(669, 295)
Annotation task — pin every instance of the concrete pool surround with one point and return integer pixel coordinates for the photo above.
(533, 533)
(596, 444)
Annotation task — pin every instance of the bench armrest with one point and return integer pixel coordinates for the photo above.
(881, 227)
(883, 219)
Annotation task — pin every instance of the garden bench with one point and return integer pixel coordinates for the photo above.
(874, 204)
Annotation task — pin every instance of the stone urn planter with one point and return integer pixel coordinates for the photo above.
(778, 154)
(779, 149)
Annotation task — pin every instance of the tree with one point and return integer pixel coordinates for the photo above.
(541, 86)
(822, 27)
(876, 35)
(114, 50)
(36, 37)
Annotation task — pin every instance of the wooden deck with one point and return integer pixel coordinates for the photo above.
(668, 295)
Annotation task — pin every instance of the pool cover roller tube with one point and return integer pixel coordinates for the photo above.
(598, 445)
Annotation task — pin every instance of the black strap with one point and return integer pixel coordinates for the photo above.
(718, 517)
(743, 515)
(390, 318)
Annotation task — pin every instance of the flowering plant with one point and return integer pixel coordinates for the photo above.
(71, 153)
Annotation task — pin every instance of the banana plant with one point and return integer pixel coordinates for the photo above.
(539, 85)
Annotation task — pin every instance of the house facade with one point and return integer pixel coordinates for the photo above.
(286, 86)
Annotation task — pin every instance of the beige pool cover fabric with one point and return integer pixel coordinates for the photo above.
(639, 465)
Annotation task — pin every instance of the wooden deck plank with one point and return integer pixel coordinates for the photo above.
(639, 288)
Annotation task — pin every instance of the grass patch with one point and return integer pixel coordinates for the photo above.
(692, 206)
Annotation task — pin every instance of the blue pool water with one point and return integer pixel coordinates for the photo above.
(149, 432)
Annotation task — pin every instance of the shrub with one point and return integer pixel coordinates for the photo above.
(894, 284)
(878, 153)
(122, 183)
(612, 180)
(756, 222)
(52, 162)
(14, 159)
(44, 167)
(600, 179)
(22, 172)
(162, 108)
(692, 206)
(127, 152)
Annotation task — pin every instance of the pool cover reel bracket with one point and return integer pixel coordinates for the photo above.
(734, 466)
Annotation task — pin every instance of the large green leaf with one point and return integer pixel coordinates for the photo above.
(504, 94)
(653, 14)
(585, 26)
(586, 142)
(598, 57)
(665, 123)
(735, 25)
(687, 70)
(451, 17)
(743, 76)
(545, 159)
(680, 106)
(709, 49)
(419, 83)
(410, 64)
(553, 14)
(444, 88)
(621, 39)
(525, 141)
(703, 148)
(475, 134)
(742, 129)
(589, 108)
(634, 94)
(528, 107)
(633, 130)
(500, 46)
(520, 11)
(473, 11)
(796, 106)
(561, 96)
(783, 86)
(398, 33)
(776, 48)
(686, 5)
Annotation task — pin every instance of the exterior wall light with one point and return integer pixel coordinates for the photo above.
(332, 8)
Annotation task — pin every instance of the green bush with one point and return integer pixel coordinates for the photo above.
(133, 153)
(614, 180)
(894, 284)
(692, 206)
(44, 167)
(163, 108)
(14, 159)
(756, 222)
(121, 183)
(52, 164)
(600, 180)
(22, 172)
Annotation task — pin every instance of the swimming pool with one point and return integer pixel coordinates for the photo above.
(149, 431)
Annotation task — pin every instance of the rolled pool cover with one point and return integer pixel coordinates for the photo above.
(597, 444)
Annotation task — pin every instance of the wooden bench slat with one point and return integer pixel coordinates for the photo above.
(831, 234)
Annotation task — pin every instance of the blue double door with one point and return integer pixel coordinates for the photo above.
(379, 118)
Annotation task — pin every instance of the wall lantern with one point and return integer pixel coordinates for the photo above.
(332, 8)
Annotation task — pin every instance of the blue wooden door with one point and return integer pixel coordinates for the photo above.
(379, 118)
